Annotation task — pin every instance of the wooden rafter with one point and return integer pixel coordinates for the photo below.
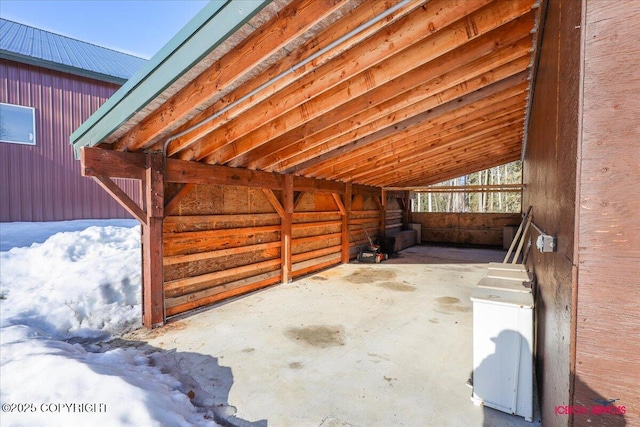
(405, 96)
(352, 20)
(431, 90)
(408, 30)
(448, 126)
(292, 22)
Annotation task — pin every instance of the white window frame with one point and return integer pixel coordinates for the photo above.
(33, 125)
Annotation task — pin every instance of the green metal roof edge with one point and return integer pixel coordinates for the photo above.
(208, 29)
(55, 66)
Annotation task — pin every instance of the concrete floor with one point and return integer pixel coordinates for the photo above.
(357, 345)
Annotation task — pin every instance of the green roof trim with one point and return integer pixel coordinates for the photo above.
(206, 31)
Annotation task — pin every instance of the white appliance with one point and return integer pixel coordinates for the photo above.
(503, 350)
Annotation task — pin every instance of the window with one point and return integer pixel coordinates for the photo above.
(17, 124)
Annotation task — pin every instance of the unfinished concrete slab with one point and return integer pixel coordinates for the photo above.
(357, 345)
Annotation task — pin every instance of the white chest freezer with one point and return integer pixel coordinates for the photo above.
(503, 350)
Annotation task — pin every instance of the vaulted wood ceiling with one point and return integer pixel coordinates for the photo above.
(434, 90)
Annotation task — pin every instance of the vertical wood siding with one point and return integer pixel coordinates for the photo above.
(43, 182)
(550, 178)
(608, 300)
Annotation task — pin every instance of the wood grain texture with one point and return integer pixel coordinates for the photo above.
(608, 318)
(549, 173)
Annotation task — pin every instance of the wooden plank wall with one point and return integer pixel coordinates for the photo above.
(364, 218)
(464, 228)
(222, 241)
(608, 297)
(316, 233)
(219, 241)
(393, 216)
(550, 178)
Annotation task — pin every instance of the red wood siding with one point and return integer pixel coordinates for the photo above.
(43, 182)
(608, 245)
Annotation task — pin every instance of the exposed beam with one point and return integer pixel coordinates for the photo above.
(341, 206)
(494, 88)
(424, 51)
(121, 197)
(421, 23)
(114, 164)
(482, 146)
(346, 24)
(460, 123)
(295, 19)
(400, 98)
(414, 173)
(415, 147)
(459, 170)
(274, 201)
(317, 185)
(199, 173)
(366, 190)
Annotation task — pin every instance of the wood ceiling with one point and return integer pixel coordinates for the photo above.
(430, 92)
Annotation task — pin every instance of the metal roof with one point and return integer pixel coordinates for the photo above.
(34, 46)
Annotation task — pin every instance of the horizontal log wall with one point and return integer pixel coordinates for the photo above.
(316, 233)
(464, 228)
(222, 241)
(364, 219)
(393, 216)
(219, 241)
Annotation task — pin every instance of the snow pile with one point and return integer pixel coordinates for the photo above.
(59, 300)
(75, 282)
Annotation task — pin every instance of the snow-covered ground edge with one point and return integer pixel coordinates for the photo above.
(66, 289)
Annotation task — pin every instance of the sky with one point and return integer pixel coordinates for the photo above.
(137, 27)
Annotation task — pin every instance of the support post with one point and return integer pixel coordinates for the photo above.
(286, 221)
(153, 313)
(383, 213)
(407, 211)
(345, 223)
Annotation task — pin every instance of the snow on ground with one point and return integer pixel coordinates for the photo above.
(66, 288)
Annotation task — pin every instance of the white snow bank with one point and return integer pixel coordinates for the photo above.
(59, 299)
(75, 282)
(20, 234)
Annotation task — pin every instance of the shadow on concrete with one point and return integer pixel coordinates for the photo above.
(202, 379)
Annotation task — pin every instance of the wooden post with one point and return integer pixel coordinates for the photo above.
(285, 235)
(407, 210)
(383, 212)
(345, 223)
(153, 313)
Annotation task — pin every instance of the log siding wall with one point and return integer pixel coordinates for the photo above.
(464, 228)
(222, 241)
(219, 241)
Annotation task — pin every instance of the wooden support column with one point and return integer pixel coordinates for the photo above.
(406, 210)
(383, 212)
(285, 234)
(153, 313)
(345, 223)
